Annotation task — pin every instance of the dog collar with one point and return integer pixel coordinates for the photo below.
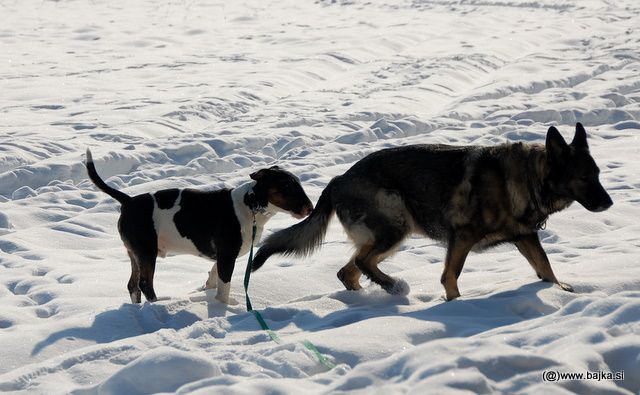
(252, 202)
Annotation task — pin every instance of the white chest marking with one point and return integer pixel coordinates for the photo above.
(245, 217)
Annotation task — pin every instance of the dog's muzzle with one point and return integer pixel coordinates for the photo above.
(603, 206)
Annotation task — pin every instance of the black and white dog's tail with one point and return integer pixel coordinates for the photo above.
(93, 175)
(302, 238)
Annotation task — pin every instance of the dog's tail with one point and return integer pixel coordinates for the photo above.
(302, 238)
(93, 175)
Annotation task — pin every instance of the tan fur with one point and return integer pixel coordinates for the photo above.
(359, 234)
(470, 198)
(394, 209)
(276, 198)
(350, 275)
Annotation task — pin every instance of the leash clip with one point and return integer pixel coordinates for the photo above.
(255, 208)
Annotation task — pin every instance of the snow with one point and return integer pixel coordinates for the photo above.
(202, 93)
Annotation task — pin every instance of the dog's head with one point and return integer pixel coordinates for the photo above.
(573, 172)
(284, 191)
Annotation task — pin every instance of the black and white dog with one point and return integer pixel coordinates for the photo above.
(212, 224)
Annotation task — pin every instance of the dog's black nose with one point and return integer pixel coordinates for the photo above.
(608, 203)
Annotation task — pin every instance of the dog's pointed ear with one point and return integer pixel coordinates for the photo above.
(555, 144)
(580, 138)
(258, 174)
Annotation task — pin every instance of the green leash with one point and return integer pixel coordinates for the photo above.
(273, 335)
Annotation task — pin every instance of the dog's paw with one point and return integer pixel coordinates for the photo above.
(207, 285)
(136, 297)
(400, 287)
(451, 296)
(232, 302)
(565, 287)
(199, 298)
(228, 301)
(210, 285)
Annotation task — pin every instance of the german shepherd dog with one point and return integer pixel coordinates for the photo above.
(468, 197)
(213, 224)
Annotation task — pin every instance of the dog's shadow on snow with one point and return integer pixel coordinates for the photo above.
(128, 320)
(459, 318)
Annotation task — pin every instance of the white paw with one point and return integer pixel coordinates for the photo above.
(135, 297)
(210, 285)
(233, 302)
(226, 300)
(205, 287)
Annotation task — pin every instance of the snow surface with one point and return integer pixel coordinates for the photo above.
(191, 93)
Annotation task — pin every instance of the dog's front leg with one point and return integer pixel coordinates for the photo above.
(212, 281)
(225, 265)
(457, 252)
(530, 247)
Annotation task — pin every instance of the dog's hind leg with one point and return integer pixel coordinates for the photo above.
(143, 255)
(375, 230)
(530, 247)
(373, 247)
(133, 284)
(147, 263)
(139, 236)
(367, 259)
(378, 244)
(457, 252)
(350, 276)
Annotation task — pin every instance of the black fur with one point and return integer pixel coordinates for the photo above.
(281, 241)
(166, 198)
(467, 197)
(140, 239)
(209, 221)
(206, 218)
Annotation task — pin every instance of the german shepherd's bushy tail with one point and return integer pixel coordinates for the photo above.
(302, 238)
(93, 175)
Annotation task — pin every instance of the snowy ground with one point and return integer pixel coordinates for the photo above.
(190, 93)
